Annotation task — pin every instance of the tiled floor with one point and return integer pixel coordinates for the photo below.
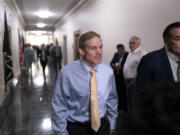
(29, 109)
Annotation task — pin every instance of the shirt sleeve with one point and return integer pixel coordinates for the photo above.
(112, 103)
(59, 106)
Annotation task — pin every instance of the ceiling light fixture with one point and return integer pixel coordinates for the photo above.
(44, 14)
(41, 25)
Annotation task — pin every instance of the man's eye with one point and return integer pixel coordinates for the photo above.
(92, 48)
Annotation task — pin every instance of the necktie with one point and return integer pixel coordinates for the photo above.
(95, 117)
(178, 70)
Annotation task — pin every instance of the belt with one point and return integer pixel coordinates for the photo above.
(86, 123)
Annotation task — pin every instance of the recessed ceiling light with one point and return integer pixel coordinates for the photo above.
(44, 14)
(41, 25)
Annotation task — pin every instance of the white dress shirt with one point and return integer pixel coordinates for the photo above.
(173, 63)
(132, 61)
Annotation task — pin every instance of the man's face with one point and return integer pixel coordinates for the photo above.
(173, 43)
(92, 53)
(120, 51)
(133, 44)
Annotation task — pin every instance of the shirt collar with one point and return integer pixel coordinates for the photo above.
(171, 55)
(87, 68)
(136, 50)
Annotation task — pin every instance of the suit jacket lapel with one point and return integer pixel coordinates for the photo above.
(167, 64)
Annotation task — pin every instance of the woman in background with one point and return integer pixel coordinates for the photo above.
(43, 58)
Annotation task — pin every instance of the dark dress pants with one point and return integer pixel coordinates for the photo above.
(43, 64)
(57, 64)
(130, 88)
(76, 128)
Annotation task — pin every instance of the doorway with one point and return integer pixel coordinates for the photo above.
(76, 44)
(65, 50)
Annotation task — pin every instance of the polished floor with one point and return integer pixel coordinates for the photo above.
(27, 110)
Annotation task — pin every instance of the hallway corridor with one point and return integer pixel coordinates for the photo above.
(28, 109)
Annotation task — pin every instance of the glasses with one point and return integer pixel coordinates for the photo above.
(177, 38)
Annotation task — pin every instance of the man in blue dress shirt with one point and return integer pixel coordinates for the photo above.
(71, 99)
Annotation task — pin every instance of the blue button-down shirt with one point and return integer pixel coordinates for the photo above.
(71, 98)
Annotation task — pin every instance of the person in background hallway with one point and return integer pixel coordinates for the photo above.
(51, 58)
(43, 55)
(57, 57)
(161, 66)
(117, 63)
(51, 46)
(156, 111)
(28, 58)
(35, 55)
(71, 113)
(130, 66)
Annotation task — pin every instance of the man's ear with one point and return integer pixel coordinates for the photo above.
(166, 41)
(81, 51)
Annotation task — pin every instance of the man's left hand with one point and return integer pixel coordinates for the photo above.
(112, 132)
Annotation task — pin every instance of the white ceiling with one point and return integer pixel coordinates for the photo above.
(58, 8)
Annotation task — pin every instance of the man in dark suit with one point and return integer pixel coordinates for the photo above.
(161, 66)
(117, 63)
(57, 57)
(153, 114)
(117, 58)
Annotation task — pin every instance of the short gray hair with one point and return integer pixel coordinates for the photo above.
(86, 36)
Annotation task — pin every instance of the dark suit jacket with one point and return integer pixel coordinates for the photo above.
(123, 61)
(59, 52)
(115, 58)
(153, 68)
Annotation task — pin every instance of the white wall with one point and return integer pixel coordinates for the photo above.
(118, 20)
